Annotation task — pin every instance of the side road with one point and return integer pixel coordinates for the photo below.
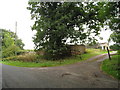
(85, 74)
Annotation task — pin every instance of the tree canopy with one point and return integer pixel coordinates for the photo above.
(9, 45)
(8, 39)
(56, 22)
(115, 37)
(114, 24)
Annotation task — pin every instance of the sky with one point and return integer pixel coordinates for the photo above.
(15, 10)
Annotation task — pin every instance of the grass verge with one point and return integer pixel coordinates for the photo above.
(112, 67)
(45, 63)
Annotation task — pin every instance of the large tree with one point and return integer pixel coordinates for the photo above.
(113, 20)
(113, 15)
(56, 22)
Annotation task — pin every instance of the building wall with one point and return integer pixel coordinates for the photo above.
(77, 49)
(104, 46)
(41, 52)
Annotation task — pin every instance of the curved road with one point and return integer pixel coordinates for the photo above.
(86, 74)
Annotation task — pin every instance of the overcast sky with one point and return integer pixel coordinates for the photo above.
(15, 10)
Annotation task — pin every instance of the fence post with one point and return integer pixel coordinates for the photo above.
(108, 53)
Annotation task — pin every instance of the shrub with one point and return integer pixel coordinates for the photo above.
(12, 58)
(118, 51)
(10, 51)
(28, 57)
(115, 47)
(57, 53)
(21, 52)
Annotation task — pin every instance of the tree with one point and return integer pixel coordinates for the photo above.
(9, 45)
(56, 22)
(115, 37)
(113, 21)
(114, 16)
(8, 39)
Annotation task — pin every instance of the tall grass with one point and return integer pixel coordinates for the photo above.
(112, 67)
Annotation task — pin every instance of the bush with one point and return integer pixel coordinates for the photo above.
(13, 58)
(28, 57)
(115, 47)
(21, 52)
(25, 58)
(10, 51)
(57, 53)
(118, 51)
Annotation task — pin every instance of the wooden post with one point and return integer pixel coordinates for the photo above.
(108, 53)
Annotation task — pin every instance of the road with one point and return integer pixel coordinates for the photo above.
(0, 76)
(86, 74)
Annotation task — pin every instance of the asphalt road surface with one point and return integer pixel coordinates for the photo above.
(0, 76)
(86, 74)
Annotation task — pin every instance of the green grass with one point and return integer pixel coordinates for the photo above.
(112, 67)
(46, 63)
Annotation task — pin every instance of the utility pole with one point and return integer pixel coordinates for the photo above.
(0, 43)
(15, 35)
